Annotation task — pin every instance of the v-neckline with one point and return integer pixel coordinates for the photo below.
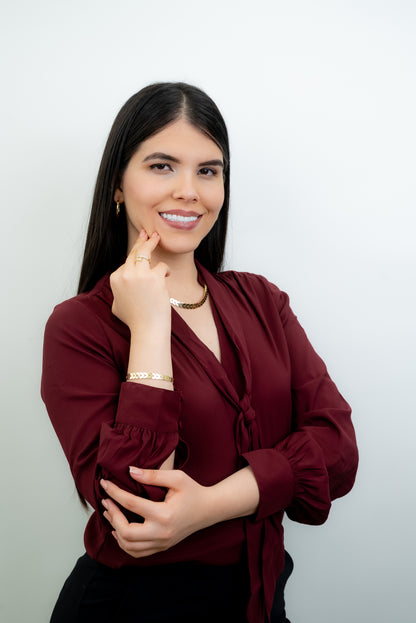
(226, 320)
(177, 319)
(183, 331)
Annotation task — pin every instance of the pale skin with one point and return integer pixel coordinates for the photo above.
(169, 173)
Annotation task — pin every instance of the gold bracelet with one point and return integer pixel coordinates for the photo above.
(131, 376)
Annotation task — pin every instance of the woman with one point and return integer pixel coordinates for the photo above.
(190, 405)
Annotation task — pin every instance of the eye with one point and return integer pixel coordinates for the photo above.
(207, 172)
(160, 166)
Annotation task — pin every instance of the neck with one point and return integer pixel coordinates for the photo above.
(182, 281)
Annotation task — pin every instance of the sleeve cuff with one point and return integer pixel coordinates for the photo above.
(149, 407)
(275, 480)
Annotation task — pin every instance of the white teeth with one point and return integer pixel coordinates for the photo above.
(178, 217)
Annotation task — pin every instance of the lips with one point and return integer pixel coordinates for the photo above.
(180, 216)
(180, 219)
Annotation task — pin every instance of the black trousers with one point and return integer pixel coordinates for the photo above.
(278, 613)
(180, 593)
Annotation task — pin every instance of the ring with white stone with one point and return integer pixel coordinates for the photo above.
(139, 258)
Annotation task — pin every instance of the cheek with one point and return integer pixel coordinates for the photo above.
(215, 198)
(143, 193)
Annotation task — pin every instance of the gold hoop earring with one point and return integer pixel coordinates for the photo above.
(118, 209)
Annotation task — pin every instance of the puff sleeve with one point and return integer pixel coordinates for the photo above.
(103, 423)
(317, 461)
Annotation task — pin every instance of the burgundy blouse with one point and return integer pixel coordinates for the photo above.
(270, 404)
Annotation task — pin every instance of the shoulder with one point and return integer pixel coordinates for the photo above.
(84, 313)
(79, 338)
(254, 287)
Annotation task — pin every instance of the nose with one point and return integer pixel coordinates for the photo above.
(185, 188)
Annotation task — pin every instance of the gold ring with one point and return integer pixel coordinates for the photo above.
(139, 258)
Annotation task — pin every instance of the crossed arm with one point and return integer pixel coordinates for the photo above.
(187, 508)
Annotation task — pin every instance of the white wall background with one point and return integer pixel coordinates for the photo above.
(320, 100)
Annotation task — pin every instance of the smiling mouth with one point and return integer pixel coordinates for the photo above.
(179, 218)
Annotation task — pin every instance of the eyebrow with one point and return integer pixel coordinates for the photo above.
(157, 155)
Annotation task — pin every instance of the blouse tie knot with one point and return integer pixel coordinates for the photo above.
(247, 435)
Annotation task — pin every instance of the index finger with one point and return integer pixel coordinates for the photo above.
(144, 245)
(136, 504)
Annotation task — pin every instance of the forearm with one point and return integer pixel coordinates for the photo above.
(235, 496)
(151, 353)
(141, 301)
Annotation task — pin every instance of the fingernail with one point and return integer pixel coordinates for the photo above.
(136, 471)
(104, 503)
(104, 483)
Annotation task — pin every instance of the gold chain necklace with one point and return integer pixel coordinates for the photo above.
(191, 305)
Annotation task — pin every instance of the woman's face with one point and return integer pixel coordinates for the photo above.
(174, 185)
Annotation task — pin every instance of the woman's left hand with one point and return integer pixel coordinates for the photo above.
(185, 509)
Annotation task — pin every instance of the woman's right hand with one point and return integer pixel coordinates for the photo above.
(141, 298)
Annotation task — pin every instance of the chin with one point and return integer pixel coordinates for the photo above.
(178, 250)
(179, 247)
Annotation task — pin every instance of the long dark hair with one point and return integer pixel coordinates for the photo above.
(143, 115)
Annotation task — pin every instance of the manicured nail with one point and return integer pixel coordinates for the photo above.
(104, 483)
(136, 471)
(104, 503)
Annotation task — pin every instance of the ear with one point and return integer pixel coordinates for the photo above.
(118, 195)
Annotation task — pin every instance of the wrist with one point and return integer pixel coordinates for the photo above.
(208, 507)
(235, 496)
(150, 337)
